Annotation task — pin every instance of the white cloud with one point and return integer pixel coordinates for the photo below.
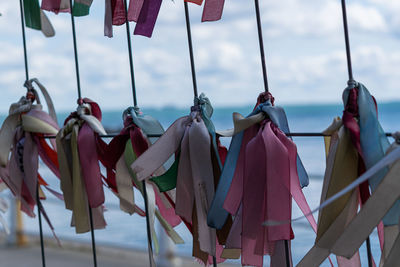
(303, 41)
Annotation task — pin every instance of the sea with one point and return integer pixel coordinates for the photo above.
(128, 231)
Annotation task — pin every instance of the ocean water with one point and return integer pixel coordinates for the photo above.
(129, 231)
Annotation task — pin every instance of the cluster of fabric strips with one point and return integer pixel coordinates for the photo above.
(236, 203)
(262, 169)
(195, 172)
(143, 12)
(22, 143)
(355, 144)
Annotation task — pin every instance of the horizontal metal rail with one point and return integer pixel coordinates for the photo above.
(296, 134)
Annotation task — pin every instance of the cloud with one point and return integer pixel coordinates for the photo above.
(303, 43)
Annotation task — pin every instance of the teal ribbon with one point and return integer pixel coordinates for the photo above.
(374, 142)
(206, 112)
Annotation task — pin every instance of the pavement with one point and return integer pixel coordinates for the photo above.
(80, 255)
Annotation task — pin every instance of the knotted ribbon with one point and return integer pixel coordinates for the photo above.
(120, 153)
(23, 133)
(217, 214)
(194, 176)
(260, 184)
(81, 179)
(360, 144)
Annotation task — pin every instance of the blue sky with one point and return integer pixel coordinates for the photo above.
(303, 41)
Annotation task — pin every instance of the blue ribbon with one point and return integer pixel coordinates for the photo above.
(206, 112)
(374, 143)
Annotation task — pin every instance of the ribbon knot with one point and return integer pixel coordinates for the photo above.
(264, 97)
(21, 134)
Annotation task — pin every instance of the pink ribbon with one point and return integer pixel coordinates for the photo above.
(118, 12)
(135, 6)
(212, 10)
(53, 6)
(90, 166)
(264, 183)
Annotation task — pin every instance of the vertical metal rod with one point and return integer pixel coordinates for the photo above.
(78, 81)
(37, 188)
(369, 254)
(266, 87)
(189, 37)
(146, 205)
(79, 98)
(287, 253)
(128, 37)
(347, 41)
(92, 234)
(351, 80)
(24, 39)
(261, 44)
(39, 205)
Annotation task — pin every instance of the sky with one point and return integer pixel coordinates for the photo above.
(303, 39)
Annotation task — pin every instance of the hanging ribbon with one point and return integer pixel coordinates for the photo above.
(36, 19)
(143, 12)
(56, 6)
(377, 206)
(80, 7)
(217, 214)
(250, 189)
(131, 142)
(22, 133)
(195, 176)
(360, 144)
(81, 179)
(212, 9)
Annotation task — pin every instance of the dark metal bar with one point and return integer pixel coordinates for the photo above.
(287, 253)
(347, 41)
(146, 205)
(189, 36)
(299, 134)
(78, 81)
(93, 240)
(261, 43)
(369, 254)
(38, 204)
(128, 37)
(24, 39)
(351, 81)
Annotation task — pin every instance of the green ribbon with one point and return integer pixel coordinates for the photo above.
(32, 14)
(167, 181)
(81, 7)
